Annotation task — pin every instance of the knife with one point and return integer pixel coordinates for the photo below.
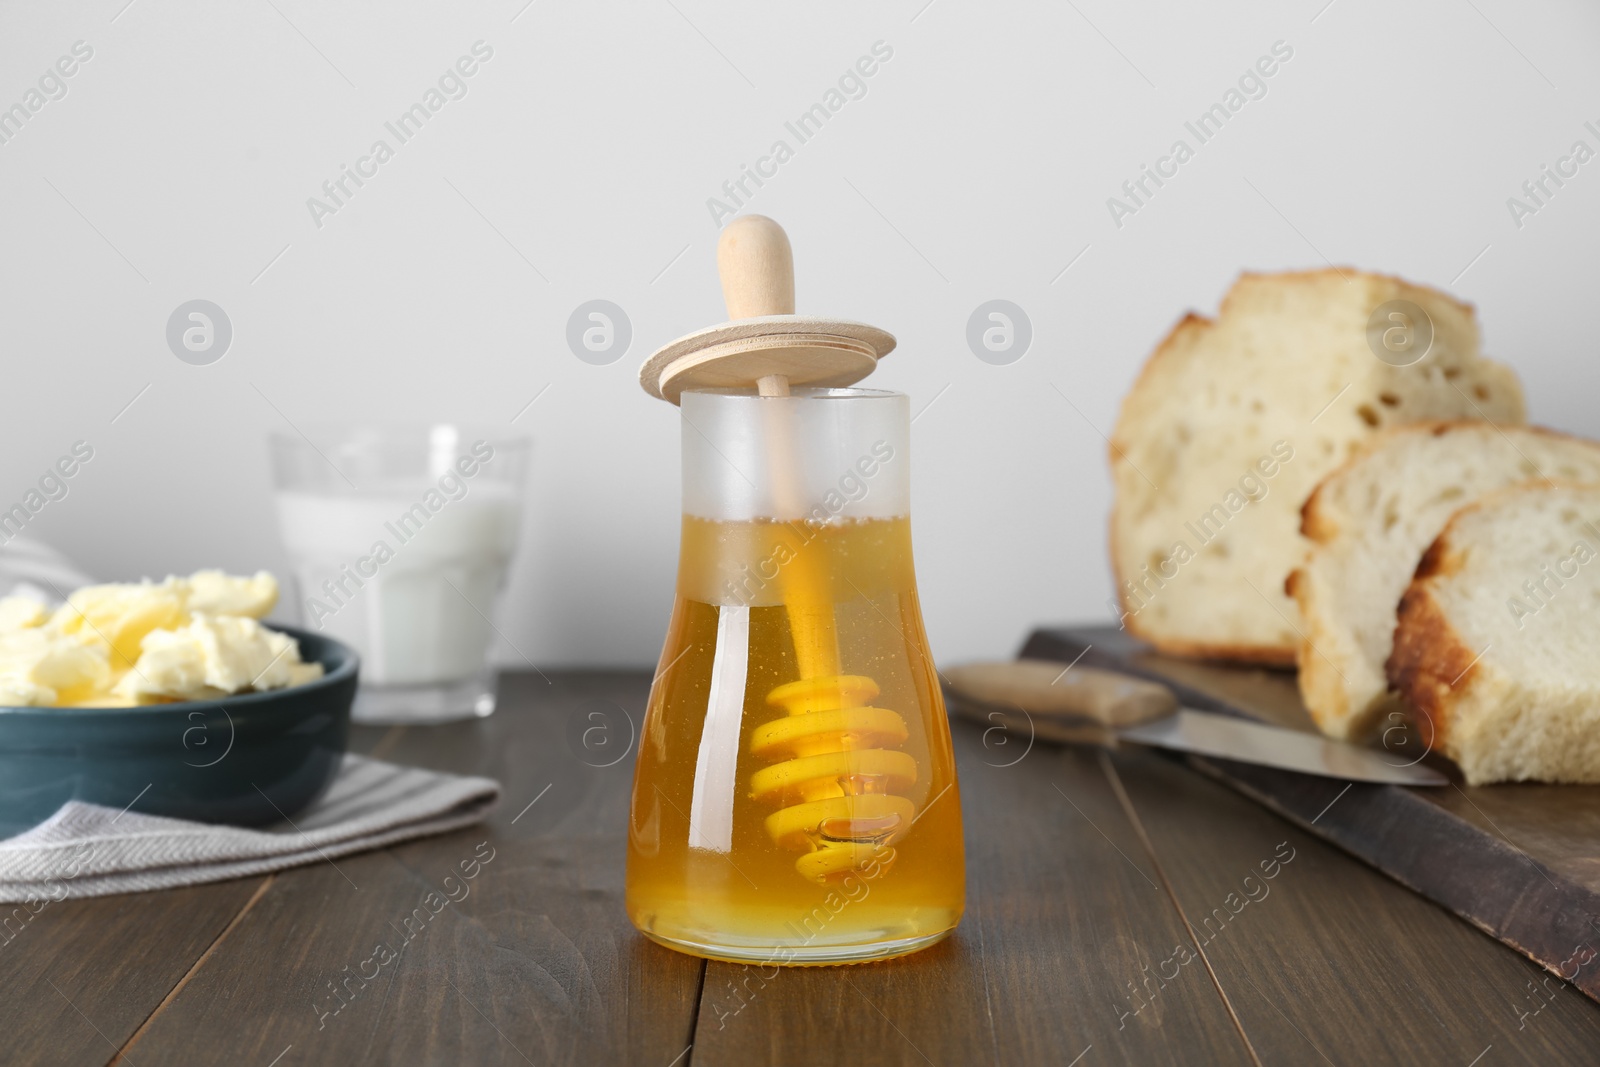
(1086, 705)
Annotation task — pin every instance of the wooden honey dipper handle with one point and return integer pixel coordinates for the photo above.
(756, 264)
(766, 344)
(757, 268)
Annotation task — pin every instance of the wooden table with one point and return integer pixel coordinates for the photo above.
(1118, 912)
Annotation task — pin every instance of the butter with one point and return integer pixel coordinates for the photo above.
(214, 656)
(20, 613)
(41, 668)
(301, 673)
(21, 693)
(121, 615)
(216, 593)
(119, 644)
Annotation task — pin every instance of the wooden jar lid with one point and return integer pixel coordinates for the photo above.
(767, 342)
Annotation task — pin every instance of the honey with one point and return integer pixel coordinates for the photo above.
(795, 797)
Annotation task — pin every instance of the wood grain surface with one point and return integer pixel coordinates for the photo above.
(1302, 964)
(536, 963)
(1517, 860)
(1064, 907)
(1090, 878)
(82, 975)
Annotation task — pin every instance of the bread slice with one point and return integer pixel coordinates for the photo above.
(1234, 421)
(1369, 523)
(1496, 645)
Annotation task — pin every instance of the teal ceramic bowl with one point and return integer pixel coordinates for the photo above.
(248, 760)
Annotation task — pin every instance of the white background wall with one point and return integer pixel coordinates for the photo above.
(977, 166)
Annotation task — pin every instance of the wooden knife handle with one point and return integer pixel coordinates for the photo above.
(1046, 688)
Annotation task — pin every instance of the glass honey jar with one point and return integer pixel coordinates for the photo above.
(795, 797)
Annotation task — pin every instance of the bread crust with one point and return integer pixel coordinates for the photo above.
(1114, 454)
(1431, 667)
(1321, 686)
(1344, 274)
(1191, 321)
(1449, 683)
(1429, 660)
(1315, 525)
(1326, 694)
(1185, 333)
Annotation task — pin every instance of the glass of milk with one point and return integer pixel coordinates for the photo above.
(399, 541)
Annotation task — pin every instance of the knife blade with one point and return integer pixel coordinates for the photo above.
(1225, 737)
(1088, 705)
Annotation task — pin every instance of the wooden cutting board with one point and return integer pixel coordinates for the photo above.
(1519, 861)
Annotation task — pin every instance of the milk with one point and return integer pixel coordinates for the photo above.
(412, 589)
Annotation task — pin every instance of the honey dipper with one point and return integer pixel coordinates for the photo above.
(835, 774)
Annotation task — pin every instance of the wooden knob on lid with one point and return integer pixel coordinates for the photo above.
(756, 265)
(767, 346)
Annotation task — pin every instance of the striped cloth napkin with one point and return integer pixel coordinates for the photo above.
(85, 850)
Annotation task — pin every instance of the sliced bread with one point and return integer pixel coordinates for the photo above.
(1369, 523)
(1231, 424)
(1496, 644)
